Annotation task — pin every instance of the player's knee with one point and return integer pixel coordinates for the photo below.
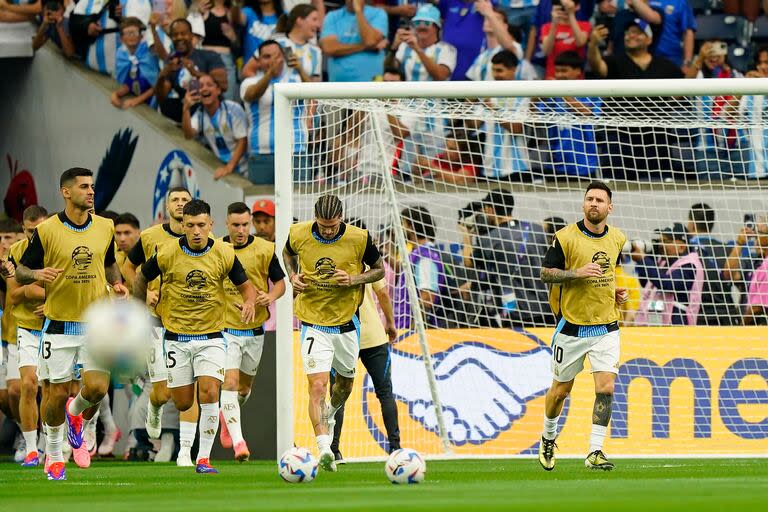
(14, 390)
(559, 394)
(183, 403)
(58, 394)
(232, 384)
(29, 385)
(605, 389)
(317, 389)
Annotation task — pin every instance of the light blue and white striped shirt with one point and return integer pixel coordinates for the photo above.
(482, 68)
(309, 54)
(441, 52)
(505, 153)
(222, 130)
(755, 110)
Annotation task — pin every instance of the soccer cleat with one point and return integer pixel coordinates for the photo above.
(82, 456)
(547, 453)
(21, 448)
(74, 427)
(204, 466)
(597, 460)
(338, 458)
(32, 460)
(107, 445)
(154, 423)
(241, 451)
(184, 459)
(327, 461)
(89, 438)
(165, 453)
(57, 472)
(224, 437)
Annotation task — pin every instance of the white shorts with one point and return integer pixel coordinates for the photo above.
(322, 350)
(62, 356)
(11, 358)
(568, 353)
(244, 350)
(188, 360)
(158, 371)
(29, 346)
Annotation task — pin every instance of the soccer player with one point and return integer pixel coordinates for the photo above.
(193, 271)
(127, 233)
(580, 266)
(175, 200)
(245, 342)
(73, 253)
(324, 259)
(24, 299)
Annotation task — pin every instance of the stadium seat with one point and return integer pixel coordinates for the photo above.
(701, 6)
(740, 58)
(760, 34)
(716, 26)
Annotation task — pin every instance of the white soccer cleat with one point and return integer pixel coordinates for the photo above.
(166, 448)
(21, 449)
(184, 459)
(107, 445)
(154, 423)
(89, 438)
(327, 461)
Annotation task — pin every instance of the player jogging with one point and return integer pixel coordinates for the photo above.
(324, 259)
(73, 253)
(245, 342)
(192, 271)
(581, 267)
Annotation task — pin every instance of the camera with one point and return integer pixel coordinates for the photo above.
(749, 221)
(645, 246)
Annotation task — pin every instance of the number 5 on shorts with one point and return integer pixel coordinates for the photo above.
(171, 361)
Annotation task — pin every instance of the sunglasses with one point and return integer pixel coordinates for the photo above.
(422, 23)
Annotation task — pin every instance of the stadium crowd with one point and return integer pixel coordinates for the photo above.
(210, 66)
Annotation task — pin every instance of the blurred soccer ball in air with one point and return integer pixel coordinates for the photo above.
(118, 336)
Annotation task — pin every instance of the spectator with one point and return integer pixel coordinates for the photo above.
(302, 25)
(264, 219)
(353, 40)
(510, 255)
(458, 164)
(185, 64)
(743, 259)
(677, 273)
(544, 15)
(222, 123)
(462, 29)
(419, 50)
(677, 31)
(428, 272)
(572, 149)
(505, 153)
(632, 9)
(760, 66)
(756, 311)
(137, 68)
(520, 13)
(564, 33)
(54, 26)
(399, 12)
(257, 92)
(497, 38)
(220, 37)
(716, 305)
(259, 19)
(159, 37)
(20, 11)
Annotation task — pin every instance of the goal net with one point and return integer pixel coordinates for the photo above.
(462, 190)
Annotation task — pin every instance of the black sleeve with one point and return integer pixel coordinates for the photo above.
(288, 247)
(371, 254)
(109, 258)
(150, 269)
(136, 254)
(237, 273)
(34, 256)
(275, 270)
(3, 288)
(555, 257)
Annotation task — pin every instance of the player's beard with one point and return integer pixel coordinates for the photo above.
(595, 217)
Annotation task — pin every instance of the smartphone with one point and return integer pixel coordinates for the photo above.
(749, 220)
(556, 3)
(194, 86)
(288, 52)
(404, 23)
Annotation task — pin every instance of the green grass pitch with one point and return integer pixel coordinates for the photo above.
(735, 485)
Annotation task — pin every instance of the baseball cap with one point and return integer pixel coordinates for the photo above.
(264, 206)
(642, 25)
(428, 13)
(677, 232)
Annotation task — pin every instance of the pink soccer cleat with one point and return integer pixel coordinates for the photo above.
(241, 451)
(82, 456)
(224, 437)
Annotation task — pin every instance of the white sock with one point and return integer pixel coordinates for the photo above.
(597, 437)
(209, 425)
(550, 427)
(30, 438)
(230, 409)
(186, 435)
(323, 443)
(54, 441)
(79, 404)
(242, 399)
(105, 413)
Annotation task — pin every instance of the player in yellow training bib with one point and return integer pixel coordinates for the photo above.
(324, 259)
(192, 272)
(581, 267)
(245, 341)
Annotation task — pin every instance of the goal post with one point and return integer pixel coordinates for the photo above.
(496, 166)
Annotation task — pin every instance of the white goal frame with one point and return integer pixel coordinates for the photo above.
(285, 93)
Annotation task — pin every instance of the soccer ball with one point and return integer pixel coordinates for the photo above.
(405, 466)
(297, 465)
(118, 336)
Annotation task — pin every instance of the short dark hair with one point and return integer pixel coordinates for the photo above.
(109, 214)
(177, 188)
(68, 176)
(180, 20)
(267, 43)
(10, 226)
(506, 58)
(197, 207)
(703, 217)
(131, 21)
(421, 221)
(599, 185)
(128, 218)
(329, 207)
(570, 59)
(34, 212)
(393, 70)
(238, 208)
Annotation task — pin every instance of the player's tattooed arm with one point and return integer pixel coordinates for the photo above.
(113, 273)
(295, 277)
(556, 275)
(140, 287)
(25, 275)
(373, 274)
